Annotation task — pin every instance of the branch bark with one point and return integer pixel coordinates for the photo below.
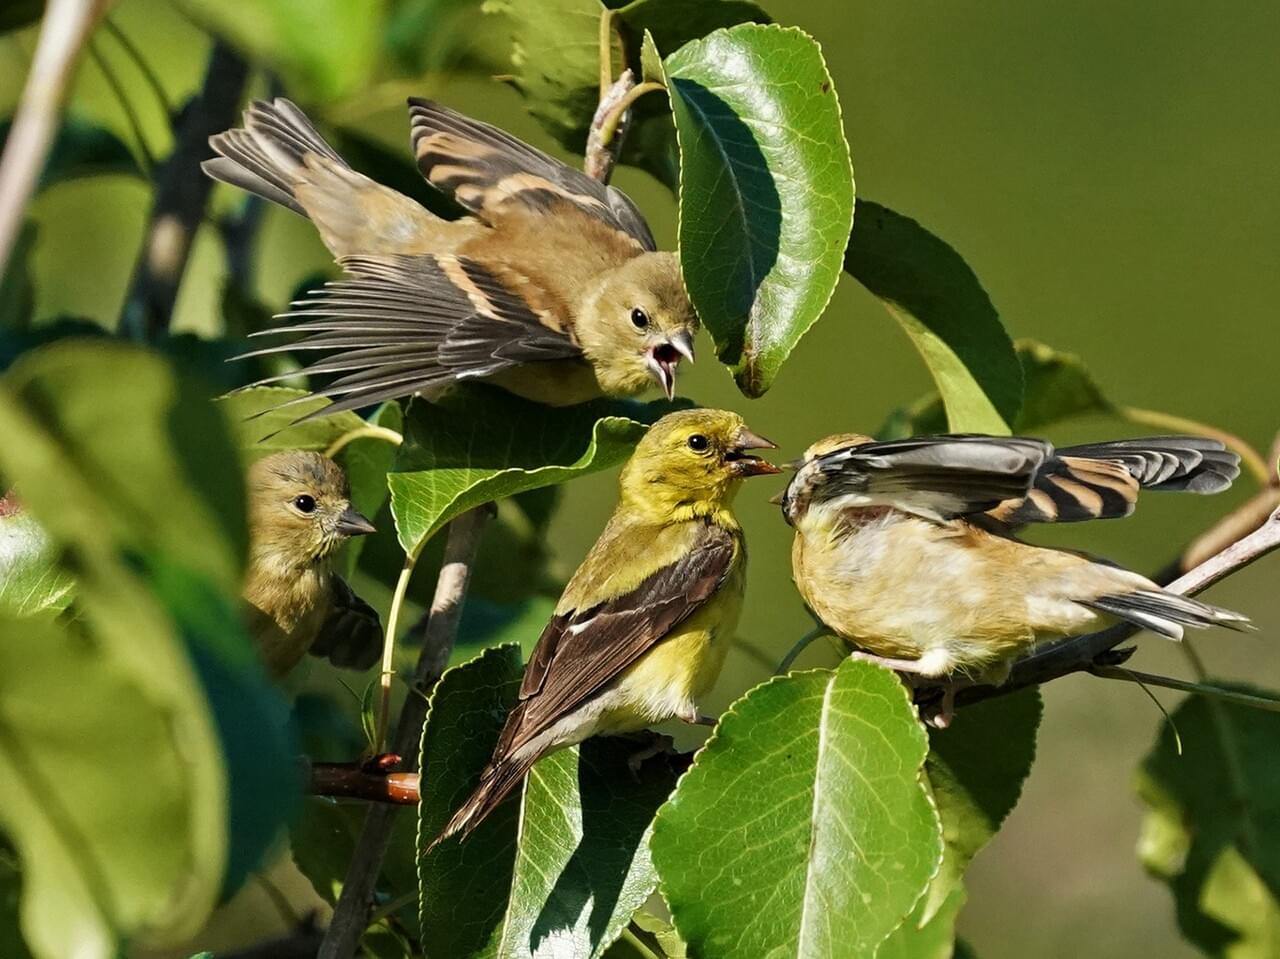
(181, 195)
(353, 781)
(351, 914)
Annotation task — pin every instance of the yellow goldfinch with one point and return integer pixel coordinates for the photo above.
(299, 514)
(553, 287)
(643, 626)
(905, 550)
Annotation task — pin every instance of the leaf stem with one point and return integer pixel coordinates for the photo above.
(370, 431)
(1251, 458)
(606, 52)
(636, 943)
(801, 644)
(389, 651)
(1185, 686)
(609, 126)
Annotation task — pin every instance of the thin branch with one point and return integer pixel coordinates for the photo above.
(139, 61)
(369, 431)
(130, 115)
(601, 156)
(63, 31)
(800, 646)
(1184, 686)
(182, 192)
(609, 125)
(389, 650)
(1251, 458)
(351, 915)
(356, 781)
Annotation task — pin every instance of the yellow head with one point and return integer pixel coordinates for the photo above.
(795, 499)
(690, 464)
(636, 324)
(299, 510)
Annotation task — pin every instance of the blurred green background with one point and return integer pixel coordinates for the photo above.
(1109, 172)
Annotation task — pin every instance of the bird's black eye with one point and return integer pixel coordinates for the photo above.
(639, 318)
(698, 443)
(304, 504)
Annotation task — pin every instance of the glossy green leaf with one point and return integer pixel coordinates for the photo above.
(766, 190)
(930, 290)
(926, 938)
(261, 427)
(803, 828)
(487, 444)
(976, 770)
(1212, 830)
(323, 48)
(81, 148)
(30, 580)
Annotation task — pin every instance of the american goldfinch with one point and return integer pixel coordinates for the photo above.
(553, 287)
(643, 626)
(299, 514)
(905, 550)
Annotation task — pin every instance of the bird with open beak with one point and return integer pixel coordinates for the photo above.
(906, 549)
(642, 629)
(551, 287)
(300, 513)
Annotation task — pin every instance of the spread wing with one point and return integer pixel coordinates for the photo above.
(937, 477)
(401, 324)
(489, 172)
(1102, 480)
(351, 635)
(583, 650)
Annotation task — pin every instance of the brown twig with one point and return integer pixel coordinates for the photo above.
(351, 914)
(356, 781)
(181, 194)
(609, 129)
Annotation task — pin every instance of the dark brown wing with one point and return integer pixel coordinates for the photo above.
(1101, 480)
(582, 651)
(488, 172)
(351, 635)
(938, 477)
(401, 324)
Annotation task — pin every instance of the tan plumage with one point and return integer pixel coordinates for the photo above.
(551, 288)
(904, 548)
(299, 514)
(641, 631)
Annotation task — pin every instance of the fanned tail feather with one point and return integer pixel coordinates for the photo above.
(1166, 613)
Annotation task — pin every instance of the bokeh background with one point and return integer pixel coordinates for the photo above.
(1109, 172)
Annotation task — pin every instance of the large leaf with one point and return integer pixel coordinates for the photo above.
(487, 444)
(17, 283)
(12, 944)
(803, 828)
(324, 48)
(930, 290)
(931, 938)
(30, 580)
(81, 148)
(1212, 830)
(766, 190)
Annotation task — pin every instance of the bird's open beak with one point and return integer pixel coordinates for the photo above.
(743, 463)
(351, 523)
(663, 358)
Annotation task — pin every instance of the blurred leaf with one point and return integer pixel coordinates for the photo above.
(487, 444)
(12, 945)
(367, 461)
(1212, 830)
(486, 623)
(13, 344)
(581, 863)
(324, 49)
(30, 580)
(932, 293)
(262, 428)
(766, 190)
(82, 149)
(673, 23)
(918, 938)
(17, 283)
(16, 14)
(804, 820)
(976, 770)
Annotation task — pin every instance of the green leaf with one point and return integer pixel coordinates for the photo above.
(82, 149)
(12, 945)
(30, 580)
(1212, 830)
(932, 293)
(323, 48)
(921, 938)
(17, 283)
(488, 444)
(261, 428)
(367, 461)
(766, 190)
(976, 770)
(673, 23)
(803, 828)
(658, 935)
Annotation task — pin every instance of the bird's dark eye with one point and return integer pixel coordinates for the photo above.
(304, 504)
(698, 443)
(639, 318)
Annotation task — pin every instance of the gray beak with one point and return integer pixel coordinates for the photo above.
(742, 463)
(663, 358)
(351, 523)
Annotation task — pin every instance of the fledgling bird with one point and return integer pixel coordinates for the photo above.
(299, 515)
(641, 630)
(552, 287)
(905, 548)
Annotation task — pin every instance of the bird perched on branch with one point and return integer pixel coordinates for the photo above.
(552, 287)
(299, 514)
(905, 548)
(641, 630)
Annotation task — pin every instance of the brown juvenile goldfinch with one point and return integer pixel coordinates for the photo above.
(552, 288)
(905, 550)
(641, 630)
(299, 514)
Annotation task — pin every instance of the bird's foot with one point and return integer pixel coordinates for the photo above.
(914, 667)
(695, 718)
(651, 744)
